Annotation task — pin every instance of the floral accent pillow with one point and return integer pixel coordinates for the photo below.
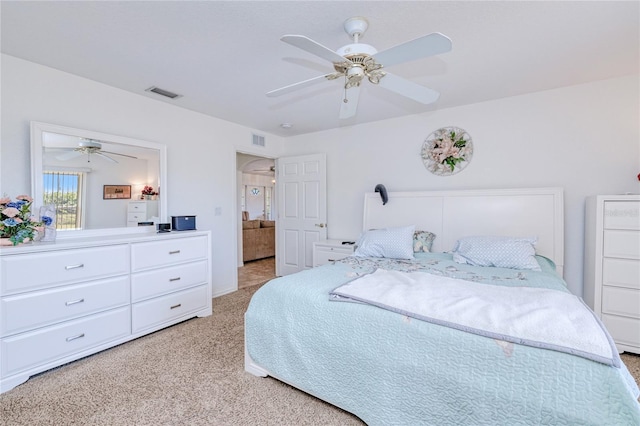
(422, 241)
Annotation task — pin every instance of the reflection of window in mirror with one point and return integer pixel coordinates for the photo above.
(93, 160)
(65, 190)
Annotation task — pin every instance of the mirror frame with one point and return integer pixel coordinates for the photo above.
(37, 130)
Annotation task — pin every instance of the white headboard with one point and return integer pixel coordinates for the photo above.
(451, 215)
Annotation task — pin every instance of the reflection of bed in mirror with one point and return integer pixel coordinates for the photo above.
(390, 367)
(71, 167)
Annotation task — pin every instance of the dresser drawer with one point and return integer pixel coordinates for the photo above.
(621, 272)
(622, 215)
(163, 309)
(156, 282)
(44, 345)
(136, 217)
(36, 309)
(621, 301)
(621, 243)
(625, 331)
(43, 270)
(137, 207)
(166, 252)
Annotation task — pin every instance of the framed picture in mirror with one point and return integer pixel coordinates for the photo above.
(116, 192)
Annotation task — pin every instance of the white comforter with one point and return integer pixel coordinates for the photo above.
(536, 317)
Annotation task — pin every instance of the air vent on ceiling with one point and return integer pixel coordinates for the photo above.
(258, 140)
(163, 92)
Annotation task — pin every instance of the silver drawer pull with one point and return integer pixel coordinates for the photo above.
(72, 338)
(79, 265)
(73, 302)
(174, 279)
(174, 252)
(176, 306)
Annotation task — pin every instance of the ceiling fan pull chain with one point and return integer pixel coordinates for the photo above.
(346, 82)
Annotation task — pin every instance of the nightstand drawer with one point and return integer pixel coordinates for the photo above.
(621, 301)
(621, 272)
(44, 345)
(622, 243)
(36, 309)
(622, 215)
(154, 283)
(167, 252)
(25, 272)
(155, 312)
(330, 250)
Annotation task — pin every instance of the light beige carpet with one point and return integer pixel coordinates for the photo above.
(188, 374)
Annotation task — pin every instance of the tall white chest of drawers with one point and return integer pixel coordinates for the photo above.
(612, 266)
(66, 300)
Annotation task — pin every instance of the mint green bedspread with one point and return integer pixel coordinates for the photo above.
(389, 369)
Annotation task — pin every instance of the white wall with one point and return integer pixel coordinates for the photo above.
(584, 138)
(201, 150)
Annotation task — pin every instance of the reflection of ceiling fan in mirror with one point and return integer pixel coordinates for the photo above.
(90, 147)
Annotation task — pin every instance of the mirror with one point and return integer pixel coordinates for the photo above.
(93, 177)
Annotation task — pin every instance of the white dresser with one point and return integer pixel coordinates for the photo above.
(141, 211)
(325, 251)
(612, 266)
(66, 300)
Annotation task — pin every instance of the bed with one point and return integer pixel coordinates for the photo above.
(392, 367)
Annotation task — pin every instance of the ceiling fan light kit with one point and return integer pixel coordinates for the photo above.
(357, 60)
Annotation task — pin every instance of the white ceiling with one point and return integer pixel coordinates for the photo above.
(224, 56)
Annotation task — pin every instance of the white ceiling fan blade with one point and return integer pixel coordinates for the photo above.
(68, 155)
(299, 85)
(315, 48)
(409, 89)
(421, 47)
(106, 157)
(122, 155)
(348, 109)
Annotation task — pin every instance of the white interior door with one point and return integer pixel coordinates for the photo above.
(301, 184)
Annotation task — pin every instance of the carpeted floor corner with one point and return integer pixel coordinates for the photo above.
(188, 374)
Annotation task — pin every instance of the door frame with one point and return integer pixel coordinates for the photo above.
(237, 224)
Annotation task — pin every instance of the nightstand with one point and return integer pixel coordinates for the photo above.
(326, 251)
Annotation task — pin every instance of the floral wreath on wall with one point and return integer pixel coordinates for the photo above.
(447, 151)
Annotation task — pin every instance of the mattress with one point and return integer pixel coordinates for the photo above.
(389, 368)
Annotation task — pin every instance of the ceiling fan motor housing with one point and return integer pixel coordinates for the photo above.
(89, 144)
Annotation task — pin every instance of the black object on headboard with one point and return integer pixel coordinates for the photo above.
(383, 193)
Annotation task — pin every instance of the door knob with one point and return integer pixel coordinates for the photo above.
(320, 225)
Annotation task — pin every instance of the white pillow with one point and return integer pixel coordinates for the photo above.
(502, 252)
(395, 243)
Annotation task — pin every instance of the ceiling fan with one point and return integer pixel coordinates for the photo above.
(357, 61)
(90, 147)
(271, 170)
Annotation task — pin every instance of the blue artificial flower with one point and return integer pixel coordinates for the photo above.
(46, 220)
(14, 204)
(9, 222)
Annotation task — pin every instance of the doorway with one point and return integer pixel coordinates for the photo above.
(256, 213)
